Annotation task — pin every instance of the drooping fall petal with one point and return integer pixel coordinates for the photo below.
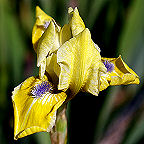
(80, 63)
(118, 73)
(35, 107)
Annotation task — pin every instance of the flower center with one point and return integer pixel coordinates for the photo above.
(109, 66)
(40, 89)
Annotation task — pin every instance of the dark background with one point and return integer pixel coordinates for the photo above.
(116, 116)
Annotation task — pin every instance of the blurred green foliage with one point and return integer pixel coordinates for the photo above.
(116, 116)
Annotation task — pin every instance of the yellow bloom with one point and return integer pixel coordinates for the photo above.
(72, 61)
(76, 60)
(35, 106)
(76, 63)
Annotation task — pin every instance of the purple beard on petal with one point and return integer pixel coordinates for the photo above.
(40, 89)
(109, 66)
(46, 24)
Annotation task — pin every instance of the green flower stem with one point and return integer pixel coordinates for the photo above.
(59, 133)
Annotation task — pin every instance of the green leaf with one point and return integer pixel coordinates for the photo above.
(105, 113)
(42, 138)
(131, 43)
(3, 57)
(14, 43)
(95, 8)
(136, 133)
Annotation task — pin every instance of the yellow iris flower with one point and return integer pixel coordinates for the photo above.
(68, 59)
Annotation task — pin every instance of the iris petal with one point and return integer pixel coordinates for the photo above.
(76, 22)
(79, 61)
(65, 34)
(42, 19)
(121, 74)
(34, 114)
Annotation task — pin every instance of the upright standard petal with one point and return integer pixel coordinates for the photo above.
(118, 73)
(35, 106)
(42, 69)
(73, 28)
(52, 68)
(80, 62)
(76, 23)
(41, 24)
(48, 43)
(45, 38)
(65, 34)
